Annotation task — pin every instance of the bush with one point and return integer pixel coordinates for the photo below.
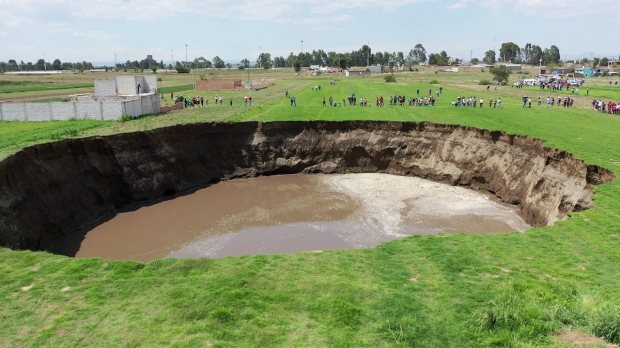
(434, 82)
(126, 118)
(484, 82)
(159, 79)
(608, 327)
(390, 78)
(501, 73)
(182, 70)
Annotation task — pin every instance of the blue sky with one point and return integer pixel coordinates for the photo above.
(93, 30)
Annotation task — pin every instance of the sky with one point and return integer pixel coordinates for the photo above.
(96, 30)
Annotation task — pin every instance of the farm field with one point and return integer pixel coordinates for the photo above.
(448, 290)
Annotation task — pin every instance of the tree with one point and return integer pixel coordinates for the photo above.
(57, 64)
(536, 55)
(419, 54)
(551, 55)
(509, 51)
(439, 58)
(39, 65)
(474, 61)
(297, 66)
(595, 62)
(264, 60)
(489, 57)
(526, 54)
(245, 62)
(500, 73)
(13, 65)
(604, 62)
(154, 67)
(218, 63)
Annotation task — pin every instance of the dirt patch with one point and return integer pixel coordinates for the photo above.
(583, 340)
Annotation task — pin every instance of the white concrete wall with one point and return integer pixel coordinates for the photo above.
(90, 110)
(63, 111)
(133, 107)
(151, 84)
(147, 105)
(112, 111)
(96, 110)
(13, 112)
(105, 88)
(38, 111)
(126, 85)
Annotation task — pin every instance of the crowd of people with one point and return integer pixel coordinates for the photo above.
(610, 108)
(476, 102)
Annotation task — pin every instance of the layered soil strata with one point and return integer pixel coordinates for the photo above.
(52, 189)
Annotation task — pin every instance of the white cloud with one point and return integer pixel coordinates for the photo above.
(327, 6)
(64, 29)
(4, 34)
(146, 10)
(317, 20)
(559, 8)
(459, 5)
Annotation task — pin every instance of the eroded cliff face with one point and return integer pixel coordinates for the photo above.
(49, 190)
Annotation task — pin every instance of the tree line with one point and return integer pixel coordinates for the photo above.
(41, 64)
(510, 52)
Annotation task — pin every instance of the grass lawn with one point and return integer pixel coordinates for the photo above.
(449, 290)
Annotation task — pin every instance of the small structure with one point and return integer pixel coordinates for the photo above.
(586, 71)
(217, 82)
(357, 71)
(377, 69)
(40, 72)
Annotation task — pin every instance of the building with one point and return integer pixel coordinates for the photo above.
(586, 71)
(357, 71)
(377, 69)
(123, 95)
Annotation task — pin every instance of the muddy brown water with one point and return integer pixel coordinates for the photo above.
(283, 214)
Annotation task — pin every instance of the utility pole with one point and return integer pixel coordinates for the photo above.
(114, 59)
(302, 46)
(368, 55)
(44, 63)
(260, 57)
(471, 55)
(186, 62)
(172, 53)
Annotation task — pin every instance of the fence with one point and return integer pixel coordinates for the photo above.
(176, 106)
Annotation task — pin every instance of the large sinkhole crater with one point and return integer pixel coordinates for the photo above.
(53, 190)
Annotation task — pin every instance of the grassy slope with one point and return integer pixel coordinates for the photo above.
(439, 291)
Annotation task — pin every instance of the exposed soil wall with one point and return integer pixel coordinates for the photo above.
(52, 189)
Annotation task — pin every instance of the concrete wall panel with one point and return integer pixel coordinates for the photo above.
(88, 110)
(38, 111)
(150, 83)
(13, 111)
(105, 88)
(112, 110)
(63, 111)
(126, 85)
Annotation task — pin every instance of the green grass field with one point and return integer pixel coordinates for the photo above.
(32, 86)
(450, 290)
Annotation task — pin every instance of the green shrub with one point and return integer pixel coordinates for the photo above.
(608, 327)
(390, 78)
(126, 118)
(434, 82)
(484, 82)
